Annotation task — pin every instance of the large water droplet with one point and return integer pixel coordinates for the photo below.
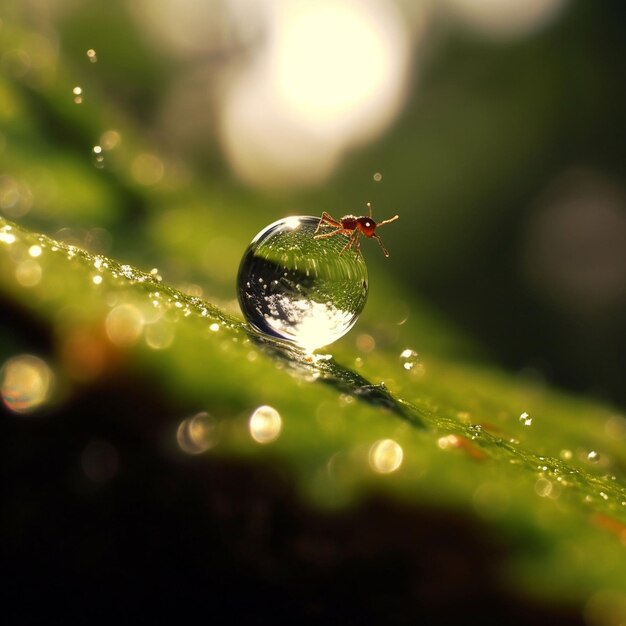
(295, 287)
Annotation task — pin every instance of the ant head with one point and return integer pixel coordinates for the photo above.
(366, 225)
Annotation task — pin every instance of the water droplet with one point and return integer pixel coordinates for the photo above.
(78, 95)
(566, 454)
(92, 56)
(409, 359)
(525, 419)
(25, 383)
(265, 424)
(298, 288)
(476, 430)
(385, 456)
(34, 251)
(98, 156)
(593, 457)
(377, 177)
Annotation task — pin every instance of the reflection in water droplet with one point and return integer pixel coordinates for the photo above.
(124, 325)
(298, 288)
(525, 419)
(26, 383)
(197, 434)
(593, 456)
(385, 456)
(265, 424)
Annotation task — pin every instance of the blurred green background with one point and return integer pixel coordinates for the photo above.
(166, 135)
(496, 131)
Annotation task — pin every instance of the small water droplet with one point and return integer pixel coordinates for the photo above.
(593, 456)
(98, 156)
(476, 430)
(566, 455)
(92, 56)
(78, 95)
(298, 288)
(525, 419)
(377, 177)
(409, 359)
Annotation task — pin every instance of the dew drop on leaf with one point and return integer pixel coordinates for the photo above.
(298, 288)
(525, 419)
(409, 359)
(593, 457)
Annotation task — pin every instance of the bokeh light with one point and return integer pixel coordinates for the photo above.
(26, 383)
(197, 434)
(504, 18)
(386, 456)
(330, 76)
(124, 325)
(265, 424)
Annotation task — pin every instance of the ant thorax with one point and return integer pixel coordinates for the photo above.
(349, 222)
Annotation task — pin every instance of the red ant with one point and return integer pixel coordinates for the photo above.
(352, 227)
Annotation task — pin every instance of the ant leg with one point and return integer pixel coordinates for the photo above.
(327, 220)
(354, 239)
(380, 241)
(338, 231)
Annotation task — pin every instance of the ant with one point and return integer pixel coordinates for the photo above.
(352, 227)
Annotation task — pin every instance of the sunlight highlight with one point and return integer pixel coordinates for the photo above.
(330, 76)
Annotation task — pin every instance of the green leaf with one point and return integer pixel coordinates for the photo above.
(539, 472)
